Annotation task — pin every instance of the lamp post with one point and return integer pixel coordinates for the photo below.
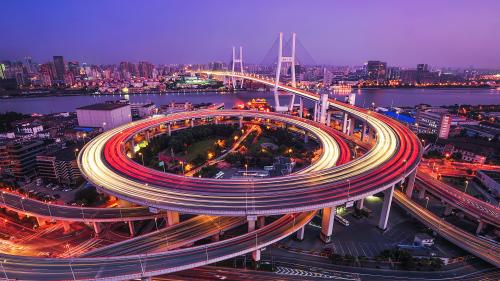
(182, 165)
(426, 201)
(76, 152)
(348, 188)
(142, 158)
(466, 185)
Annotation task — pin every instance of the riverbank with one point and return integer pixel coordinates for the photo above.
(93, 93)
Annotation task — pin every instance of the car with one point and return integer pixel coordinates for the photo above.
(66, 190)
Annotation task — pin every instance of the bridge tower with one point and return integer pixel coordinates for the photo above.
(235, 61)
(283, 59)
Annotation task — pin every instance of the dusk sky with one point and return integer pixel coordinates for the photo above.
(437, 32)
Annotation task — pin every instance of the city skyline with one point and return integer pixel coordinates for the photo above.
(401, 34)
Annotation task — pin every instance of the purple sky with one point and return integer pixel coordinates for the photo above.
(438, 32)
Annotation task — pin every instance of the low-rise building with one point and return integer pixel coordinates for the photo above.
(491, 180)
(432, 120)
(60, 166)
(18, 158)
(143, 109)
(104, 115)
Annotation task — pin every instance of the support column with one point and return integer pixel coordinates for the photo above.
(216, 237)
(241, 122)
(360, 204)
(172, 218)
(131, 228)
(97, 228)
(480, 226)
(41, 221)
(447, 209)
(352, 124)
(216, 121)
(169, 128)
(148, 136)
(306, 137)
(300, 233)
(363, 133)
(315, 117)
(386, 208)
(251, 227)
(323, 108)
(301, 107)
(192, 123)
(66, 227)
(261, 222)
(344, 123)
(421, 193)
(328, 118)
(327, 224)
(411, 183)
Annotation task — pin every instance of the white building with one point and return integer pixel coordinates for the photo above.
(104, 115)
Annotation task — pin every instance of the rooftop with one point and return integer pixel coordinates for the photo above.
(103, 106)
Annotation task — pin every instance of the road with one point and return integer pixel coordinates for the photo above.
(484, 249)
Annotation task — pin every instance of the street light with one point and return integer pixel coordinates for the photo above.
(182, 165)
(466, 185)
(426, 201)
(76, 152)
(142, 158)
(348, 188)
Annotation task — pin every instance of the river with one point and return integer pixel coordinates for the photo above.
(381, 97)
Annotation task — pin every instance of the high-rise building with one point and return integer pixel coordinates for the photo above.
(2, 71)
(145, 69)
(376, 71)
(60, 68)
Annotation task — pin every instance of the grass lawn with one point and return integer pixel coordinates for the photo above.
(200, 147)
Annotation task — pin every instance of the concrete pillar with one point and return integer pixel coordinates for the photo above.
(315, 117)
(352, 123)
(327, 224)
(97, 228)
(251, 227)
(363, 132)
(300, 233)
(131, 228)
(256, 256)
(421, 193)
(411, 183)
(360, 204)
(328, 118)
(241, 122)
(169, 128)
(480, 226)
(41, 221)
(216, 237)
(323, 108)
(447, 209)
(148, 135)
(192, 123)
(301, 107)
(216, 121)
(172, 218)
(345, 123)
(386, 208)
(261, 222)
(66, 227)
(251, 224)
(306, 137)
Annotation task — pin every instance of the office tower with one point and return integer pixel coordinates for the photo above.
(60, 68)
(376, 71)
